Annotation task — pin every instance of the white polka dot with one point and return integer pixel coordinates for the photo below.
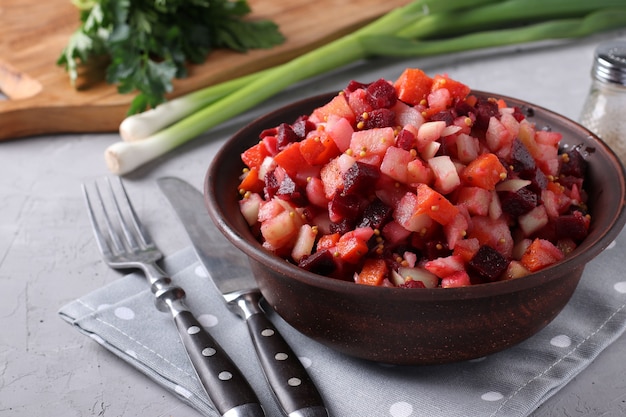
(267, 332)
(611, 245)
(97, 338)
(131, 353)
(225, 376)
(103, 306)
(183, 391)
(201, 272)
(208, 351)
(294, 382)
(620, 287)
(306, 362)
(193, 330)
(492, 396)
(124, 313)
(561, 341)
(401, 409)
(281, 356)
(208, 320)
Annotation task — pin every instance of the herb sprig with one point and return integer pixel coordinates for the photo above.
(148, 43)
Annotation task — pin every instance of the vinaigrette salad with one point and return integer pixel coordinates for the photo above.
(415, 183)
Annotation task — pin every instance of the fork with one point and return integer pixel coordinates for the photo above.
(125, 243)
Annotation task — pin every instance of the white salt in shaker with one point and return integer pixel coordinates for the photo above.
(604, 112)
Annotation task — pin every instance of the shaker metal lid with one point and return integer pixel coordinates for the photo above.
(610, 62)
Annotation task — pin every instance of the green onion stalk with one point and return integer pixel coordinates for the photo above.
(421, 28)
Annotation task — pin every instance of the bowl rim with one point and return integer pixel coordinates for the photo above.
(256, 252)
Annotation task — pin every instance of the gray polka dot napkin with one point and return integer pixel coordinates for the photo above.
(122, 318)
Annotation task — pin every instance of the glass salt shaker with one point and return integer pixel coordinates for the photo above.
(604, 111)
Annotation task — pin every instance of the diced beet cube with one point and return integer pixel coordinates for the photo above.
(375, 215)
(569, 181)
(342, 227)
(538, 179)
(571, 226)
(484, 110)
(344, 206)
(518, 114)
(516, 203)
(285, 135)
(320, 262)
(488, 263)
(547, 232)
(381, 94)
(410, 283)
(462, 108)
(271, 185)
(447, 116)
(573, 164)
(355, 85)
(436, 249)
(406, 140)
(268, 132)
(376, 118)
(289, 190)
(302, 126)
(359, 177)
(521, 159)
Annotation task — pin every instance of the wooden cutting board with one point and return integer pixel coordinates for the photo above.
(42, 101)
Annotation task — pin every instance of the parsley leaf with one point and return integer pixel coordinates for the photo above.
(148, 43)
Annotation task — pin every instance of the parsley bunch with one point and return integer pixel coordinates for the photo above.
(149, 42)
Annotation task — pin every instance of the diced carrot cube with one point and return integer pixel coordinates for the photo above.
(485, 172)
(413, 86)
(373, 272)
(471, 100)
(251, 181)
(540, 254)
(492, 232)
(457, 89)
(435, 205)
(328, 241)
(338, 106)
(253, 157)
(318, 149)
(290, 159)
(350, 248)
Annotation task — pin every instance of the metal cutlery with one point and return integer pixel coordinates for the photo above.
(230, 272)
(125, 243)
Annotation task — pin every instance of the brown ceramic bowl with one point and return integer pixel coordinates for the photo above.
(418, 326)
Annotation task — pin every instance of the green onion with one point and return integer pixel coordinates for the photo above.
(554, 29)
(501, 15)
(411, 30)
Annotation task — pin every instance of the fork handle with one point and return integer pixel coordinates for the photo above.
(228, 389)
(224, 383)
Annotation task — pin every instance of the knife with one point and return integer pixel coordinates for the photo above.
(231, 273)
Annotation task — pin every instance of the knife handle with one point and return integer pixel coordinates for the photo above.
(286, 375)
(226, 386)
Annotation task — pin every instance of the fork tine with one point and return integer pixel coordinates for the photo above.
(143, 234)
(128, 232)
(101, 241)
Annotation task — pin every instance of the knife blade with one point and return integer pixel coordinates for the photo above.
(230, 272)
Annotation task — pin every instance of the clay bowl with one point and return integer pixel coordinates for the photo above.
(419, 326)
